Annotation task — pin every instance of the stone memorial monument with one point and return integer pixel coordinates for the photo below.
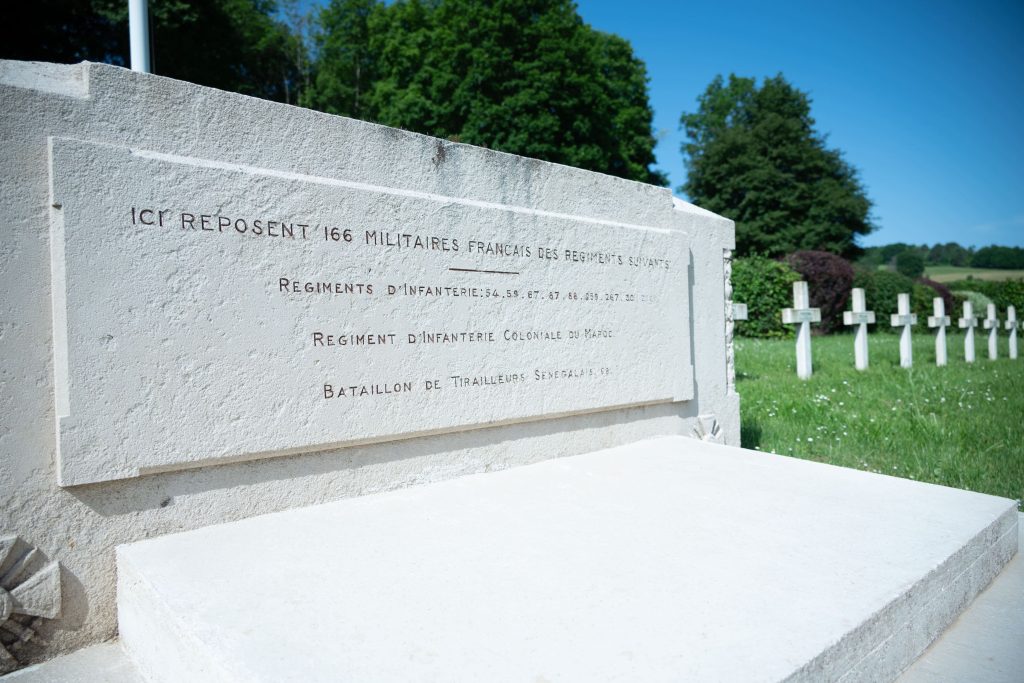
(861, 317)
(803, 315)
(208, 319)
(940, 321)
(1011, 325)
(968, 322)
(905, 319)
(489, 401)
(992, 325)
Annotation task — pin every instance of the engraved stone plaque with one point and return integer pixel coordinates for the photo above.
(801, 315)
(207, 312)
(858, 317)
(897, 320)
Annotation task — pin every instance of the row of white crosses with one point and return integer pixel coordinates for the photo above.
(861, 317)
(803, 315)
(969, 322)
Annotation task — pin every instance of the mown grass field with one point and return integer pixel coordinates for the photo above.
(953, 273)
(959, 426)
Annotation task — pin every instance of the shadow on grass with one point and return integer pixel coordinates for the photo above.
(750, 434)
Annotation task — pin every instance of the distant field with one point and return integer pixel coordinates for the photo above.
(958, 426)
(951, 273)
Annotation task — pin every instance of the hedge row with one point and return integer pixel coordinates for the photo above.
(1003, 294)
(765, 285)
(829, 279)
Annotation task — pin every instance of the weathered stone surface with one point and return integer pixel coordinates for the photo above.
(216, 311)
(664, 560)
(30, 591)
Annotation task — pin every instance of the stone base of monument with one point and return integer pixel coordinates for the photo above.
(669, 559)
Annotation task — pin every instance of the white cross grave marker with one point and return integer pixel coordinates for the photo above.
(968, 322)
(992, 325)
(861, 317)
(941, 321)
(739, 311)
(804, 315)
(1011, 325)
(905, 319)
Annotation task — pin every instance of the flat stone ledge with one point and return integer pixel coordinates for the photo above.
(986, 643)
(103, 663)
(667, 559)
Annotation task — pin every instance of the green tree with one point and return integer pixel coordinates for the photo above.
(766, 287)
(754, 155)
(891, 251)
(520, 76)
(344, 70)
(910, 263)
(999, 257)
(236, 45)
(950, 253)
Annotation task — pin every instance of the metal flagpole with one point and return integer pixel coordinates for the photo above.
(138, 32)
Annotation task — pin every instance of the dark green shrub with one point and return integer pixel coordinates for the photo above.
(1003, 293)
(921, 296)
(766, 287)
(881, 291)
(934, 289)
(998, 257)
(829, 278)
(1009, 293)
(910, 263)
(978, 300)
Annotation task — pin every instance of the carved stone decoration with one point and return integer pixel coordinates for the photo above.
(730, 348)
(29, 593)
(708, 429)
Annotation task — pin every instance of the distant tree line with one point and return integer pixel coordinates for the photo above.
(911, 259)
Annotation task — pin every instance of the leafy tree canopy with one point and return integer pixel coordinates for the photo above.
(753, 155)
(236, 45)
(951, 254)
(910, 263)
(999, 257)
(521, 76)
(948, 254)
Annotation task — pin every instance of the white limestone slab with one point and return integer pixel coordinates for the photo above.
(208, 311)
(102, 663)
(669, 559)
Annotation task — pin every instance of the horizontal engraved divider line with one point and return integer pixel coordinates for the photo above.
(477, 270)
(217, 461)
(334, 182)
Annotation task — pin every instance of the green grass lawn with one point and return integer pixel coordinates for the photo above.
(952, 273)
(961, 425)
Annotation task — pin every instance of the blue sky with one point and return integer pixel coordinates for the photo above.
(926, 99)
